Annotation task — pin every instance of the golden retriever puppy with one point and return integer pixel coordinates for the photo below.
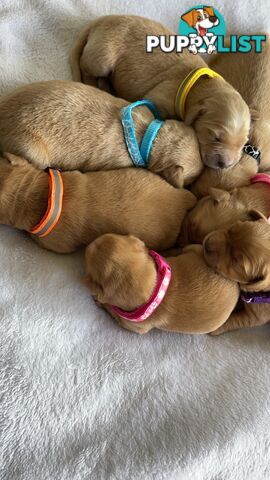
(72, 126)
(127, 280)
(250, 76)
(119, 201)
(114, 47)
(222, 208)
(241, 253)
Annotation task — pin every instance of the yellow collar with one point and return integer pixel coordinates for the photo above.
(186, 85)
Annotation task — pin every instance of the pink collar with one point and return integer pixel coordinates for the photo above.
(264, 178)
(164, 274)
(261, 177)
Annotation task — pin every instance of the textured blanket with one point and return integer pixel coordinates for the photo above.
(80, 398)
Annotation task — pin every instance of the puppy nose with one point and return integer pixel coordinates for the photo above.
(221, 164)
(219, 160)
(213, 18)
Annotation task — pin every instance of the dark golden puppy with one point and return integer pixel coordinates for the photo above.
(120, 201)
(121, 272)
(250, 76)
(221, 209)
(242, 253)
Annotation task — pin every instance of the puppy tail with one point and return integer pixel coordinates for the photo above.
(76, 53)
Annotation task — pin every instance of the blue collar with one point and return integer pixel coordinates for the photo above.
(140, 155)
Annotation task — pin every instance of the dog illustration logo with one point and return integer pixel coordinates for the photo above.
(201, 19)
(202, 22)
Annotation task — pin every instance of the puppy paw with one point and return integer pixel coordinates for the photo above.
(211, 49)
(15, 159)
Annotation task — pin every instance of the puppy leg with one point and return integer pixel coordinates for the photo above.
(250, 316)
(140, 328)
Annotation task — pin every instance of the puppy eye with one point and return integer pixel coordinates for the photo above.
(217, 138)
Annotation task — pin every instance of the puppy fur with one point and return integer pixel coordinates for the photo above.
(250, 76)
(221, 209)
(73, 126)
(120, 201)
(241, 253)
(121, 272)
(107, 47)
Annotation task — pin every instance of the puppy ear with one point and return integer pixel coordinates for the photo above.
(94, 287)
(210, 11)
(139, 244)
(219, 195)
(260, 284)
(174, 175)
(188, 17)
(255, 215)
(193, 113)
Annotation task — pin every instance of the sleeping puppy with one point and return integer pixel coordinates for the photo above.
(120, 201)
(123, 275)
(221, 209)
(72, 126)
(250, 76)
(114, 47)
(241, 253)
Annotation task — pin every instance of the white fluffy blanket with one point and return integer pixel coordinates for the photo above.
(81, 398)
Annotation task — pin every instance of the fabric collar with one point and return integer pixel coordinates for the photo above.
(261, 177)
(140, 155)
(253, 152)
(54, 208)
(264, 178)
(255, 297)
(163, 281)
(187, 84)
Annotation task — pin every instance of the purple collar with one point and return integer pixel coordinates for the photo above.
(255, 297)
(163, 281)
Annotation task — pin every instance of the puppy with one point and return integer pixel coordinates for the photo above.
(121, 272)
(241, 253)
(71, 126)
(250, 76)
(114, 47)
(222, 208)
(120, 201)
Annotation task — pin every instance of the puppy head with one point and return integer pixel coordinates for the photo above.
(242, 252)
(195, 16)
(218, 210)
(221, 120)
(119, 271)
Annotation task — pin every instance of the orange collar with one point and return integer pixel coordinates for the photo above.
(55, 203)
